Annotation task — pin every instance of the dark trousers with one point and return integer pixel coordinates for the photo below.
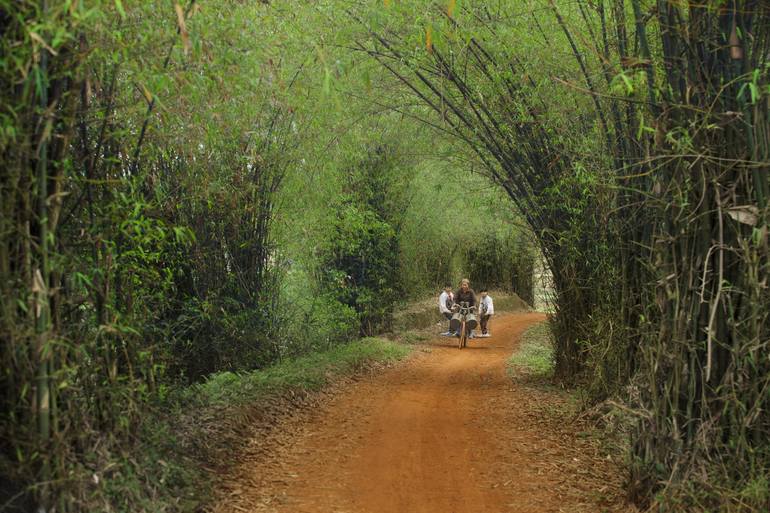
(470, 324)
(484, 321)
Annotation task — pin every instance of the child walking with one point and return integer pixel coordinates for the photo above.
(445, 302)
(486, 310)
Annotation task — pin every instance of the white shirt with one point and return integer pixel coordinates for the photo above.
(442, 300)
(490, 306)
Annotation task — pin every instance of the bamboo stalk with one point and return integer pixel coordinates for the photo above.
(41, 281)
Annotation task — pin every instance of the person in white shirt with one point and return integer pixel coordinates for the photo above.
(486, 310)
(445, 302)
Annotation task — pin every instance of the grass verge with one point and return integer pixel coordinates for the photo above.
(307, 373)
(535, 355)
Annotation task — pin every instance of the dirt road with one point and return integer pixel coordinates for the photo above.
(446, 432)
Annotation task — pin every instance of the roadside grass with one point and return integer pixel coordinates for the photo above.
(197, 432)
(306, 373)
(534, 357)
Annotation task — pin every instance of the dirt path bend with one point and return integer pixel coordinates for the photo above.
(447, 432)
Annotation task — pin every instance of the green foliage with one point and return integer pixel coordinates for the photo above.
(627, 177)
(502, 261)
(313, 322)
(219, 333)
(158, 476)
(458, 226)
(358, 265)
(193, 202)
(189, 197)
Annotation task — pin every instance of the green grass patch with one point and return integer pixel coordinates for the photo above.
(311, 372)
(535, 354)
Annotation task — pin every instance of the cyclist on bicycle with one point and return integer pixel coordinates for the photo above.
(464, 295)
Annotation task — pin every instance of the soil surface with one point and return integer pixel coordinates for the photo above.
(447, 431)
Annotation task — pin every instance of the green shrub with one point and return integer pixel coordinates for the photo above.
(358, 263)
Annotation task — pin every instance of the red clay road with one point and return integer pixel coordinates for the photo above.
(446, 432)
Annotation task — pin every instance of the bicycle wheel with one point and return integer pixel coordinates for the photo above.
(461, 342)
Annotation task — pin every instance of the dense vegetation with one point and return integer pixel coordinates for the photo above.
(652, 215)
(204, 187)
(188, 191)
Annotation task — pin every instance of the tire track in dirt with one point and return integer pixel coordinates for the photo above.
(446, 432)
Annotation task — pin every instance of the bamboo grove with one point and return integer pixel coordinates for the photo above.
(150, 151)
(178, 201)
(654, 225)
(116, 248)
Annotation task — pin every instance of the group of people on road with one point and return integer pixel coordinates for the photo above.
(449, 305)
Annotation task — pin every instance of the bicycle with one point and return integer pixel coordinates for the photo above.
(467, 318)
